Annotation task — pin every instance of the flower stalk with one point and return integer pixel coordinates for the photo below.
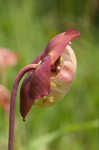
(13, 102)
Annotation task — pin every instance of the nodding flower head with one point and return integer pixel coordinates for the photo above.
(50, 80)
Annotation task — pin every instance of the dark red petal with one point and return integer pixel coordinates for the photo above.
(40, 81)
(35, 85)
(57, 45)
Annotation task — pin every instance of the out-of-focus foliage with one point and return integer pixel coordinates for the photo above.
(26, 27)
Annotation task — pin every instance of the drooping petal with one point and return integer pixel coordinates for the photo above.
(36, 85)
(40, 81)
(25, 103)
(57, 45)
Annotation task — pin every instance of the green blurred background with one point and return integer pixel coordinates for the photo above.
(25, 27)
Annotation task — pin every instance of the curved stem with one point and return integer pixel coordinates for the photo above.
(13, 102)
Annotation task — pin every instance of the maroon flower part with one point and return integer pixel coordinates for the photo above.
(54, 69)
(4, 98)
(39, 81)
(49, 78)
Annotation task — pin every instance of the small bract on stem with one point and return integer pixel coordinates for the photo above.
(48, 80)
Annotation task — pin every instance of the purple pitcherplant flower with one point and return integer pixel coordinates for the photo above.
(48, 80)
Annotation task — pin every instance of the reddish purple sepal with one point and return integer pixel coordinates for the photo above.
(35, 86)
(40, 81)
(57, 45)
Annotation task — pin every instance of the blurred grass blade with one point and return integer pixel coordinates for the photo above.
(79, 127)
(42, 142)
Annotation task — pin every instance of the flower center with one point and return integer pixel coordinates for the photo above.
(54, 67)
